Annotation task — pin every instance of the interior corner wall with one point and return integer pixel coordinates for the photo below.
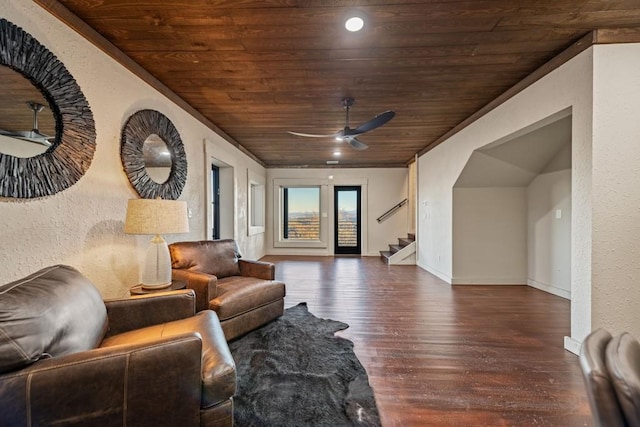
(569, 86)
(615, 295)
(489, 236)
(385, 187)
(83, 226)
(549, 232)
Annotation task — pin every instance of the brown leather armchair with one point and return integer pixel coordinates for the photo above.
(604, 404)
(623, 364)
(243, 293)
(68, 358)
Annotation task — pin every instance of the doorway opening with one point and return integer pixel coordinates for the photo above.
(220, 200)
(215, 202)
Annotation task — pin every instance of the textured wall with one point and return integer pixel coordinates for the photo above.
(616, 188)
(83, 225)
(549, 237)
(489, 236)
(568, 86)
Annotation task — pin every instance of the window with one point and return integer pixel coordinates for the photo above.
(300, 217)
(301, 213)
(256, 203)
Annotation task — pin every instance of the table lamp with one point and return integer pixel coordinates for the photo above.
(156, 217)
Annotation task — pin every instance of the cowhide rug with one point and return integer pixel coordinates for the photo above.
(295, 372)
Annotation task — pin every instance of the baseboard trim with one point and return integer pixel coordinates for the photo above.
(572, 346)
(438, 274)
(550, 289)
(489, 281)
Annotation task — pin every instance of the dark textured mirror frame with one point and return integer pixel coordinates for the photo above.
(138, 127)
(70, 155)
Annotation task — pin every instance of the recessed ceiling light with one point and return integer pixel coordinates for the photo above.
(336, 153)
(353, 24)
(332, 162)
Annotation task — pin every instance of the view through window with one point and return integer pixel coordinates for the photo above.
(301, 213)
(347, 218)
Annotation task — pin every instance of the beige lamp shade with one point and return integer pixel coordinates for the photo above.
(156, 216)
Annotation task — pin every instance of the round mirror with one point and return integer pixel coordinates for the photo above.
(27, 125)
(153, 155)
(57, 117)
(157, 158)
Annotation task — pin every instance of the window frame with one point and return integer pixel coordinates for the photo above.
(256, 203)
(279, 211)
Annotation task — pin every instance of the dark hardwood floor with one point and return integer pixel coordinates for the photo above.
(441, 355)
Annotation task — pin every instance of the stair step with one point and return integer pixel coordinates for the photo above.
(394, 248)
(385, 255)
(411, 236)
(404, 241)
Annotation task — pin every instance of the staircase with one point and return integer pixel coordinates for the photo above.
(402, 253)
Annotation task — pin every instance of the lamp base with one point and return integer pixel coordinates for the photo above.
(156, 272)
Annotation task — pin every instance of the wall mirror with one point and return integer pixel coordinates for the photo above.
(153, 155)
(47, 131)
(157, 158)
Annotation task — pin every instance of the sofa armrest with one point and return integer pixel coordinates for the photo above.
(258, 269)
(127, 314)
(204, 285)
(156, 383)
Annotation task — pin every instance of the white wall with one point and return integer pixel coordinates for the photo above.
(569, 86)
(489, 236)
(549, 237)
(615, 294)
(381, 189)
(83, 225)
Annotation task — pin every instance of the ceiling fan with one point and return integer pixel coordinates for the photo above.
(350, 135)
(34, 134)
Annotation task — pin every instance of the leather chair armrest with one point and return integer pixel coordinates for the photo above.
(258, 269)
(204, 285)
(157, 383)
(127, 314)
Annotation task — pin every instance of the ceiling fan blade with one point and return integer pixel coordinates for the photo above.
(311, 135)
(29, 136)
(377, 121)
(356, 144)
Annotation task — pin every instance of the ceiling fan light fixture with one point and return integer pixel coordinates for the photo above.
(354, 23)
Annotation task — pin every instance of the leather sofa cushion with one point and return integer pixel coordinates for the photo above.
(52, 312)
(218, 366)
(238, 295)
(215, 257)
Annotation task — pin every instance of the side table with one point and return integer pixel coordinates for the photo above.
(175, 285)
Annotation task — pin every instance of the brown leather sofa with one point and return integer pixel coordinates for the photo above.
(68, 358)
(243, 293)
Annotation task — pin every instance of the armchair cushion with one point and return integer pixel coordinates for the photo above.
(238, 295)
(53, 312)
(219, 259)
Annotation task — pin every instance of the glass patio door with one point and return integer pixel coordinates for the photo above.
(347, 220)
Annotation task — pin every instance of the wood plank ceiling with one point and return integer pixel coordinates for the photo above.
(258, 69)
